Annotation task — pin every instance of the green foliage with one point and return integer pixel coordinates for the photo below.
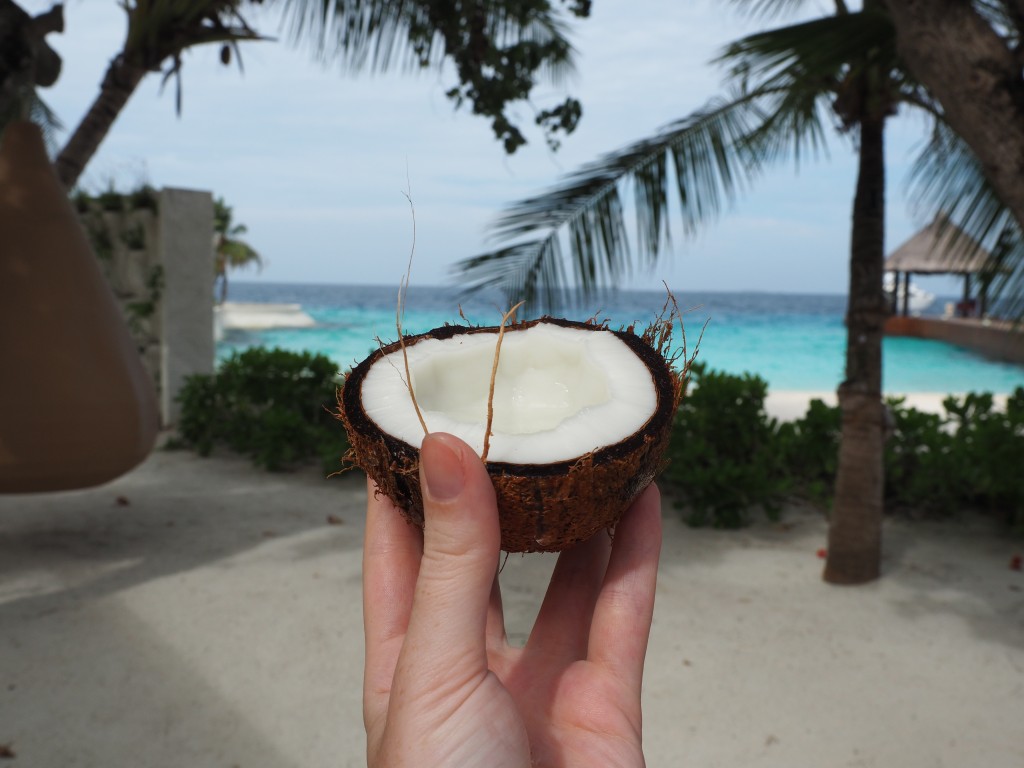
(102, 244)
(269, 404)
(144, 197)
(809, 449)
(722, 451)
(971, 456)
(144, 309)
(111, 200)
(920, 468)
(134, 238)
(229, 252)
(729, 458)
(498, 50)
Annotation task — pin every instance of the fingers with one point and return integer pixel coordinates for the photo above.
(562, 629)
(622, 616)
(461, 540)
(391, 557)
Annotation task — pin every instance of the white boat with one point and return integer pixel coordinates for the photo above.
(919, 299)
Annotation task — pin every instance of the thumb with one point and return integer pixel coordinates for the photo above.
(461, 543)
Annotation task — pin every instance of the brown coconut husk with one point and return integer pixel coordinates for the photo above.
(542, 507)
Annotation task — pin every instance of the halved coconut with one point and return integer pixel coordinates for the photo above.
(581, 420)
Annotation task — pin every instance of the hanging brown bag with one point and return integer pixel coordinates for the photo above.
(76, 406)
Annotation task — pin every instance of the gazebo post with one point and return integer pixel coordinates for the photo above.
(939, 248)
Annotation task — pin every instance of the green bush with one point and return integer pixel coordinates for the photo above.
(722, 455)
(809, 450)
(727, 457)
(272, 405)
(921, 468)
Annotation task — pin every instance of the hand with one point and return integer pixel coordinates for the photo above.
(443, 687)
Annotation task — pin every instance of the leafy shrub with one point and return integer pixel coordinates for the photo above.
(722, 450)
(809, 450)
(728, 457)
(972, 456)
(921, 470)
(269, 404)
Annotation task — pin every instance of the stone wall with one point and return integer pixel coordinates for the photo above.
(155, 249)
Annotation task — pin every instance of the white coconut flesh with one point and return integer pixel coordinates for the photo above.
(559, 394)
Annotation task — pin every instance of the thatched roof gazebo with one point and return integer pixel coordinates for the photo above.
(941, 248)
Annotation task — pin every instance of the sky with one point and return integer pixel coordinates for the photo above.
(317, 162)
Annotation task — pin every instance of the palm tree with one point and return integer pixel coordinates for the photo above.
(229, 252)
(787, 86)
(969, 56)
(159, 31)
(498, 48)
(27, 62)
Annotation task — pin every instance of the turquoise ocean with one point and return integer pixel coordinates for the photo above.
(794, 341)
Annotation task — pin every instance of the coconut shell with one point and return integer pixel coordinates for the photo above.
(542, 507)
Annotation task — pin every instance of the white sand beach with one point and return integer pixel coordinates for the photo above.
(198, 612)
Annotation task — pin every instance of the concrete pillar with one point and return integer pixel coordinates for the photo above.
(185, 246)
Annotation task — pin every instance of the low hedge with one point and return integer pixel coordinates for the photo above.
(727, 458)
(272, 405)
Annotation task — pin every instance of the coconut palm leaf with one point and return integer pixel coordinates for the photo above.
(786, 79)
(586, 212)
(42, 115)
(381, 34)
(1005, 16)
(159, 30)
(947, 177)
(771, 9)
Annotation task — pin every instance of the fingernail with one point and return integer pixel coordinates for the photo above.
(443, 475)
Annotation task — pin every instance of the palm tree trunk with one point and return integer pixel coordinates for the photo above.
(118, 85)
(974, 71)
(855, 531)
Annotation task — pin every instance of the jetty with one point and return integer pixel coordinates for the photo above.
(942, 248)
(994, 339)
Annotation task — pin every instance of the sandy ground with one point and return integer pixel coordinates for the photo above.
(199, 613)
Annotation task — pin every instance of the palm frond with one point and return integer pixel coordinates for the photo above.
(786, 79)
(813, 55)
(705, 152)
(770, 9)
(947, 180)
(357, 32)
(1005, 17)
(532, 269)
(381, 34)
(42, 115)
(162, 29)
